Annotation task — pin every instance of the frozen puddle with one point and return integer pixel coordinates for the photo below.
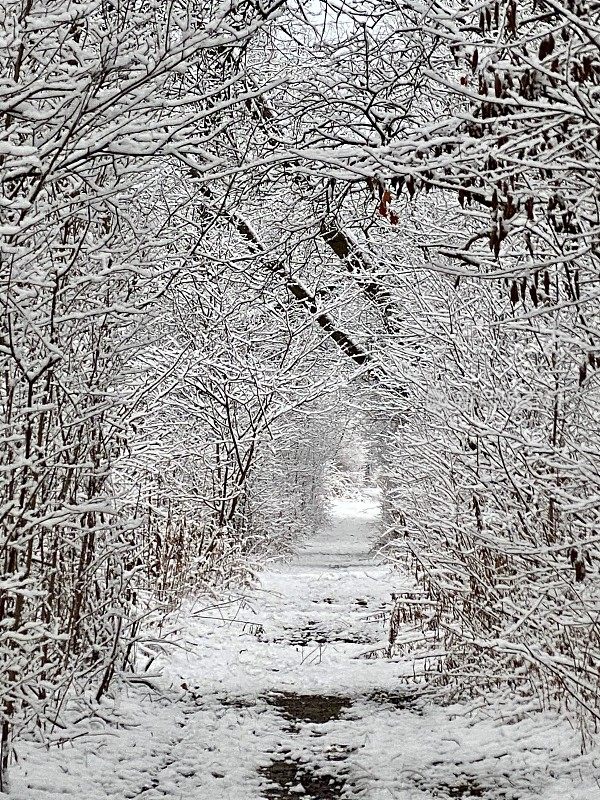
(315, 708)
(288, 694)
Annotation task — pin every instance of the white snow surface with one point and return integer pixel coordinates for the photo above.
(208, 726)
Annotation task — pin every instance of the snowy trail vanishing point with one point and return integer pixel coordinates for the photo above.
(275, 698)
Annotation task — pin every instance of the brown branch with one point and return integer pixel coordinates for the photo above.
(345, 343)
(359, 266)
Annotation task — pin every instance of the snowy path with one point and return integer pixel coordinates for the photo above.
(274, 699)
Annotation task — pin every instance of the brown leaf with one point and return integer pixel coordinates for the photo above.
(386, 199)
(529, 208)
(533, 295)
(514, 293)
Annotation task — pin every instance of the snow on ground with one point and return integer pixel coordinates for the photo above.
(270, 696)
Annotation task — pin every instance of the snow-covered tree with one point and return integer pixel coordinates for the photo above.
(94, 96)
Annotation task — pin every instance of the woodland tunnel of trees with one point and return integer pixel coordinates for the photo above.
(231, 229)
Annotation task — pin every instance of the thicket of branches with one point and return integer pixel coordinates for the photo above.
(216, 215)
(498, 426)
